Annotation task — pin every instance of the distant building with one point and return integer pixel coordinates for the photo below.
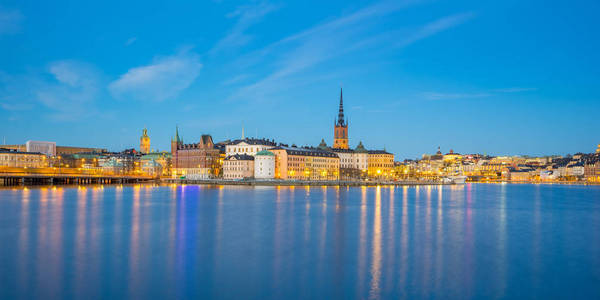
(340, 128)
(381, 164)
(354, 164)
(48, 148)
(248, 146)
(16, 159)
(598, 149)
(145, 142)
(305, 163)
(200, 160)
(163, 158)
(264, 165)
(238, 166)
(60, 150)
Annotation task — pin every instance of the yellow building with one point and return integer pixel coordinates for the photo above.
(598, 149)
(15, 159)
(305, 164)
(381, 164)
(145, 142)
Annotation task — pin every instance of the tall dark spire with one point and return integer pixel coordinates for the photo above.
(340, 120)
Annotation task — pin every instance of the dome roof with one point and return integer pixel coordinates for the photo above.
(265, 152)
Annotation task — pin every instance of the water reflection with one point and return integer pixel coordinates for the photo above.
(474, 241)
(376, 251)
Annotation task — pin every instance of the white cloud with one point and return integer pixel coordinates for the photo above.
(69, 94)
(163, 79)
(295, 55)
(453, 96)
(246, 16)
(515, 90)
(130, 41)
(10, 20)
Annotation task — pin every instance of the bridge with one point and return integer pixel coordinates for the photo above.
(52, 176)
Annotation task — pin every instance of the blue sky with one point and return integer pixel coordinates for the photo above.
(495, 77)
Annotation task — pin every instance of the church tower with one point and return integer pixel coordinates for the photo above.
(340, 130)
(175, 143)
(145, 142)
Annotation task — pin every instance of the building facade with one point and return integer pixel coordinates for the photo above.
(248, 146)
(48, 148)
(264, 165)
(145, 142)
(305, 164)
(15, 159)
(238, 166)
(200, 160)
(381, 164)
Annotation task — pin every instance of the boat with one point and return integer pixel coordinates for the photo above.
(457, 179)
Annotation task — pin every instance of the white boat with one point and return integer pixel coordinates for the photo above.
(457, 179)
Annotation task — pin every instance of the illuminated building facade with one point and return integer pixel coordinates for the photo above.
(264, 165)
(14, 159)
(381, 164)
(200, 160)
(145, 142)
(238, 166)
(340, 128)
(305, 163)
(248, 146)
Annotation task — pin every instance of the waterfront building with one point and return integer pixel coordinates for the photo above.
(353, 163)
(598, 149)
(238, 166)
(163, 158)
(59, 150)
(264, 165)
(305, 163)
(380, 164)
(16, 159)
(200, 160)
(248, 146)
(48, 148)
(340, 128)
(145, 142)
(152, 168)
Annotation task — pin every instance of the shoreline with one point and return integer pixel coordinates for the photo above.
(221, 182)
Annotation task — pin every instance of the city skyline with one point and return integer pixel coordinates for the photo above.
(416, 74)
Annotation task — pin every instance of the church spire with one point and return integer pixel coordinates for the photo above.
(340, 120)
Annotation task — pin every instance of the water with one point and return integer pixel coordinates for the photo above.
(453, 242)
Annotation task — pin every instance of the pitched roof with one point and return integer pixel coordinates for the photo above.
(240, 157)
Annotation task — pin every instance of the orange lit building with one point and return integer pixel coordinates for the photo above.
(145, 142)
(340, 128)
(380, 164)
(305, 164)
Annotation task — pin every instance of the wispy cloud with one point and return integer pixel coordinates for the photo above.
(294, 55)
(130, 41)
(246, 16)
(515, 90)
(456, 96)
(68, 94)
(453, 96)
(235, 79)
(10, 20)
(72, 92)
(163, 79)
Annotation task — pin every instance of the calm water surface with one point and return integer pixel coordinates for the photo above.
(147, 242)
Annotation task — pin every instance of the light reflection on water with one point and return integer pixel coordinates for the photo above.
(471, 241)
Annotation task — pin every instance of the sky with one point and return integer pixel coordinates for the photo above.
(508, 77)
